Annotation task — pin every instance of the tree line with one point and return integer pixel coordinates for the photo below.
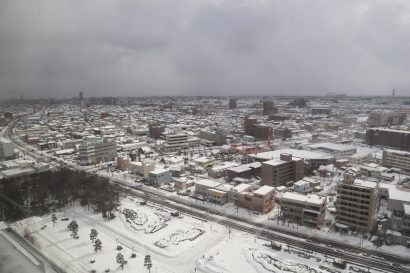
(46, 192)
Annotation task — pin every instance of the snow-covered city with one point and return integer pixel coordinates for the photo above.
(209, 184)
(205, 136)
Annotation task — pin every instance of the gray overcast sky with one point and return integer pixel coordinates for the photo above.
(55, 48)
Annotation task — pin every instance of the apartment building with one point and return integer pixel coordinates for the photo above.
(397, 159)
(92, 151)
(398, 139)
(283, 171)
(303, 209)
(269, 108)
(233, 103)
(262, 131)
(321, 110)
(248, 125)
(175, 142)
(356, 205)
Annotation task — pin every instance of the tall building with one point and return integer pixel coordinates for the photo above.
(81, 98)
(248, 125)
(398, 139)
(155, 130)
(397, 159)
(269, 108)
(356, 205)
(283, 171)
(96, 150)
(262, 131)
(232, 103)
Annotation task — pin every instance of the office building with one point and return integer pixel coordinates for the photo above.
(397, 159)
(356, 205)
(303, 209)
(232, 103)
(282, 172)
(217, 137)
(155, 130)
(398, 139)
(175, 142)
(377, 119)
(269, 108)
(92, 151)
(261, 200)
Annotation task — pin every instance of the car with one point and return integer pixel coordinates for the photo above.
(395, 264)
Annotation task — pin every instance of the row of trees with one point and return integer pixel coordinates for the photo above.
(43, 192)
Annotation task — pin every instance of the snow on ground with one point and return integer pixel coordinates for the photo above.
(14, 258)
(176, 244)
(245, 253)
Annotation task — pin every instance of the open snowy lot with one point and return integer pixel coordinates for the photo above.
(176, 244)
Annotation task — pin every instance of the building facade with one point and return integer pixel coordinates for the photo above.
(397, 159)
(96, 150)
(356, 205)
(175, 142)
(303, 209)
(283, 171)
(389, 138)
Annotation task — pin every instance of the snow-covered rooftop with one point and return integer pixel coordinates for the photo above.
(307, 155)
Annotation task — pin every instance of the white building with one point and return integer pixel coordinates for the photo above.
(175, 142)
(95, 150)
(142, 168)
(6, 149)
(397, 159)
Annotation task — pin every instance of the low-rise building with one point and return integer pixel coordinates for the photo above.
(303, 209)
(159, 177)
(95, 150)
(261, 200)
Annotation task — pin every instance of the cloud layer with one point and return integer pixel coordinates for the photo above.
(55, 48)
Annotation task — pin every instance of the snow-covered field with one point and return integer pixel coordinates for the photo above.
(176, 244)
